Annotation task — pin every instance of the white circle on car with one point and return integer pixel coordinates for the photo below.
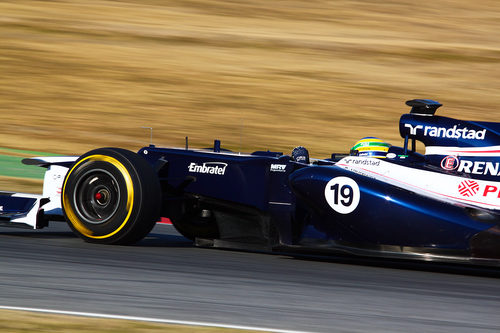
(342, 194)
(391, 155)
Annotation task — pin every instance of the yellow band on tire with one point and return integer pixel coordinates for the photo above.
(75, 221)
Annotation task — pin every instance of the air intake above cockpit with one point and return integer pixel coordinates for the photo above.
(424, 107)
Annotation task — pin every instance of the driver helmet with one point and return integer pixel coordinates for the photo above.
(370, 147)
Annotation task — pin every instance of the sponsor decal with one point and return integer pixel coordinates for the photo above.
(471, 167)
(490, 189)
(479, 167)
(468, 188)
(359, 161)
(450, 163)
(342, 194)
(1, 208)
(450, 133)
(211, 168)
(413, 130)
(278, 167)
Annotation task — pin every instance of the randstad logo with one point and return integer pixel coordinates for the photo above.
(212, 168)
(450, 133)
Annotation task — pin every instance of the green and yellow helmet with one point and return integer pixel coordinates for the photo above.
(370, 147)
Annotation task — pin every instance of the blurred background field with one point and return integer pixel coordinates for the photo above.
(77, 75)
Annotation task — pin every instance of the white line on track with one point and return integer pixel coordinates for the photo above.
(146, 319)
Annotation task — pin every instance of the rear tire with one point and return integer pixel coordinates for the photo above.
(111, 196)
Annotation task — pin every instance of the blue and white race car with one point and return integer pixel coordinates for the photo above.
(376, 200)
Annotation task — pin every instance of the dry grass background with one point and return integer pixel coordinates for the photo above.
(77, 75)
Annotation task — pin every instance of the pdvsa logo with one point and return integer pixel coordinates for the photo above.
(468, 188)
(450, 163)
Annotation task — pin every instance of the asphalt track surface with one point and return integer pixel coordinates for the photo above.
(165, 277)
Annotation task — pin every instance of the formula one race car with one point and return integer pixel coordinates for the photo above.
(377, 200)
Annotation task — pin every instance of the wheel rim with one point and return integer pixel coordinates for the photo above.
(97, 196)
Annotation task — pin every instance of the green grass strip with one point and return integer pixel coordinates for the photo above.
(27, 152)
(12, 166)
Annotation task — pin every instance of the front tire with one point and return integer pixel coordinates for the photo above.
(111, 196)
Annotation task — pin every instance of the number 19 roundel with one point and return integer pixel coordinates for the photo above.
(342, 194)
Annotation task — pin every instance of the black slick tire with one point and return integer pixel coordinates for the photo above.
(111, 196)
